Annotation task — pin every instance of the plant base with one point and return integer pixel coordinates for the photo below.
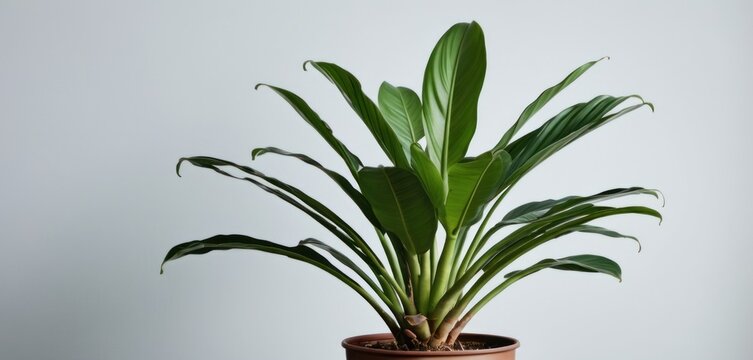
(499, 348)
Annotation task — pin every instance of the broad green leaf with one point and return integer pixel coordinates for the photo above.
(350, 88)
(542, 100)
(311, 117)
(452, 85)
(472, 183)
(401, 108)
(429, 175)
(582, 263)
(401, 205)
(341, 181)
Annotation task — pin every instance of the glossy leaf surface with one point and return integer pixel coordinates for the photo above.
(341, 181)
(401, 108)
(472, 183)
(365, 108)
(542, 100)
(452, 85)
(311, 117)
(401, 205)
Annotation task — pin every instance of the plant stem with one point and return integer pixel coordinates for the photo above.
(458, 249)
(391, 259)
(477, 242)
(444, 267)
(424, 282)
(415, 270)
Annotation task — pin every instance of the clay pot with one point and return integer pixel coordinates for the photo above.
(504, 349)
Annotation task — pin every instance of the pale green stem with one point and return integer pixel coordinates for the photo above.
(444, 267)
(434, 252)
(477, 242)
(415, 270)
(458, 249)
(391, 259)
(424, 282)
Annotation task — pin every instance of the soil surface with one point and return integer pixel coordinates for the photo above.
(458, 346)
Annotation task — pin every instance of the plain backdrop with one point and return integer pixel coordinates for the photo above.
(99, 99)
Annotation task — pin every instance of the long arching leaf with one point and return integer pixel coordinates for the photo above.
(535, 210)
(541, 231)
(401, 205)
(343, 259)
(350, 88)
(315, 209)
(401, 108)
(452, 85)
(542, 100)
(341, 181)
(230, 242)
(311, 117)
(299, 252)
(582, 263)
(569, 125)
(606, 232)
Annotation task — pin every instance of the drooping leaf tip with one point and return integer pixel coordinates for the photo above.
(256, 87)
(663, 198)
(256, 152)
(306, 63)
(650, 105)
(177, 166)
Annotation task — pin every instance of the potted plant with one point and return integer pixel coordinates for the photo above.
(426, 290)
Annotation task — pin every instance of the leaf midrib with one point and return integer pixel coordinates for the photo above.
(447, 115)
(413, 136)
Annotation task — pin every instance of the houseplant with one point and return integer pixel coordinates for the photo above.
(424, 207)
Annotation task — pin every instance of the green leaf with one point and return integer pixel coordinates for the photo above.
(342, 258)
(542, 100)
(472, 184)
(401, 108)
(529, 212)
(606, 232)
(313, 208)
(566, 127)
(582, 263)
(429, 175)
(350, 88)
(299, 252)
(452, 85)
(341, 181)
(551, 227)
(401, 205)
(311, 117)
(230, 242)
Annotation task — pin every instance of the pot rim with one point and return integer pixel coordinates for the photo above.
(354, 343)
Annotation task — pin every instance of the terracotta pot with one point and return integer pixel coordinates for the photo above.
(504, 349)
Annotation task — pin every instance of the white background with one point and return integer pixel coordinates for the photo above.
(99, 99)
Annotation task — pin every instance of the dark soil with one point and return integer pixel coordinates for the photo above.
(458, 346)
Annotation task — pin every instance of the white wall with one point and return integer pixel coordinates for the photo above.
(98, 100)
